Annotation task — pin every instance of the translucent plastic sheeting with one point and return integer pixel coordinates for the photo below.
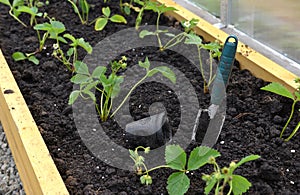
(275, 23)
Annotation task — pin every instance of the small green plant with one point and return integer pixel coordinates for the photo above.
(220, 178)
(53, 30)
(88, 82)
(18, 6)
(214, 52)
(279, 89)
(178, 182)
(190, 38)
(71, 55)
(82, 9)
(111, 84)
(102, 21)
(20, 56)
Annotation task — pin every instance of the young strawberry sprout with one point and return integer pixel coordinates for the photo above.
(110, 84)
(281, 90)
(178, 182)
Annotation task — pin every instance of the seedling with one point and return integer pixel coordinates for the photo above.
(164, 70)
(237, 183)
(71, 55)
(82, 9)
(279, 89)
(214, 52)
(17, 7)
(53, 30)
(88, 82)
(178, 182)
(110, 84)
(102, 21)
(190, 38)
(19, 56)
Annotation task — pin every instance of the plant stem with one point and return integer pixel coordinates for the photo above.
(293, 133)
(16, 18)
(128, 94)
(288, 121)
(201, 65)
(169, 45)
(157, 31)
(158, 167)
(230, 190)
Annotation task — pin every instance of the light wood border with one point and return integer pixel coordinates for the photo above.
(36, 167)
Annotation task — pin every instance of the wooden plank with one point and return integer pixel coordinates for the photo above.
(259, 65)
(35, 165)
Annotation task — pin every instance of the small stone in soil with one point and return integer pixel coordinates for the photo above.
(277, 119)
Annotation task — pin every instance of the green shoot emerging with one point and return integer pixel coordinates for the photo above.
(178, 182)
(279, 89)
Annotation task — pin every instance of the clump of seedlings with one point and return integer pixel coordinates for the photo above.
(178, 182)
(188, 37)
(281, 90)
(102, 21)
(82, 9)
(110, 83)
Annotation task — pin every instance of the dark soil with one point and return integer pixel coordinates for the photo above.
(253, 121)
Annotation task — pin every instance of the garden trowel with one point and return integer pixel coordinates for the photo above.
(209, 122)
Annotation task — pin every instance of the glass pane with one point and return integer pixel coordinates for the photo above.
(212, 6)
(275, 23)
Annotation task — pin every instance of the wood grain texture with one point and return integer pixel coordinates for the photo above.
(35, 165)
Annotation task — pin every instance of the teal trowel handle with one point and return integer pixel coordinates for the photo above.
(224, 70)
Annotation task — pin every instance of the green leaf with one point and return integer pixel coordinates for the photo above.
(85, 7)
(100, 24)
(71, 37)
(90, 94)
(175, 157)
(6, 2)
(178, 183)
(61, 39)
(34, 60)
(240, 184)
(44, 26)
(81, 68)
(199, 157)
(145, 64)
(79, 78)
(98, 72)
(70, 51)
(247, 159)
(116, 88)
(118, 19)
(17, 3)
(209, 185)
(73, 97)
(18, 56)
(144, 33)
(28, 10)
(279, 89)
(165, 71)
(57, 27)
(106, 11)
(127, 10)
(193, 39)
(85, 45)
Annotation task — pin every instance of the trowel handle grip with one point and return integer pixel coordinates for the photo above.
(224, 70)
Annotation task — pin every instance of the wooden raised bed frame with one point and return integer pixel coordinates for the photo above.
(35, 165)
